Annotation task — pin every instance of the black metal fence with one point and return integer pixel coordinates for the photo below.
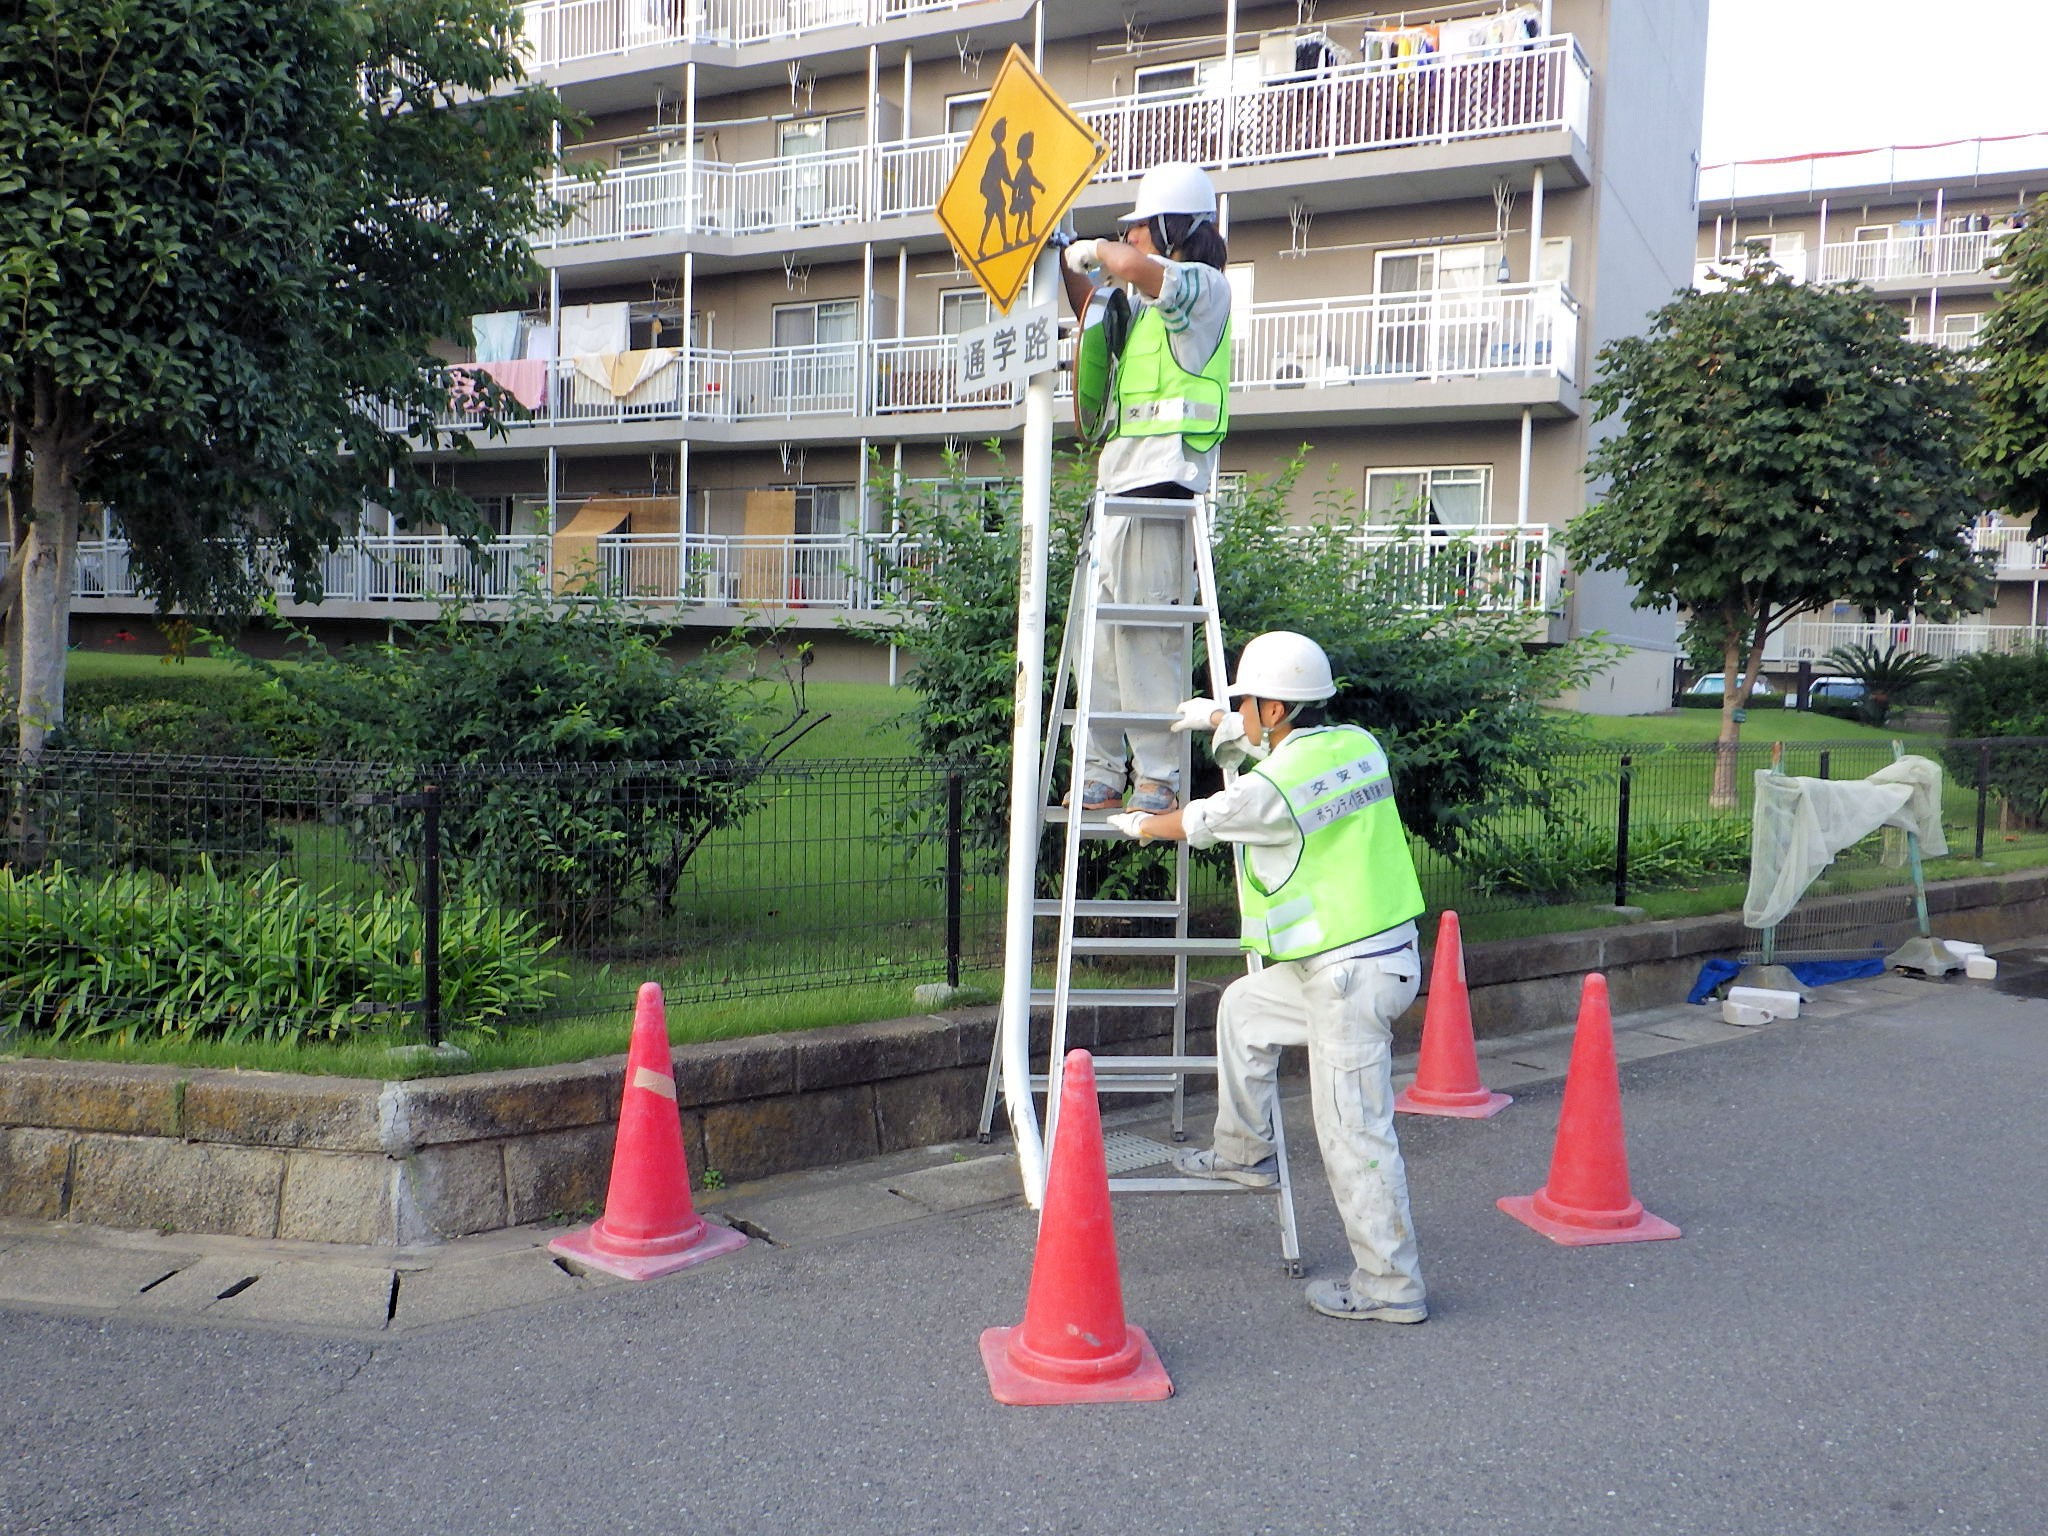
(244, 897)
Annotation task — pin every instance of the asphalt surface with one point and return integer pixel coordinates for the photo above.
(1847, 1339)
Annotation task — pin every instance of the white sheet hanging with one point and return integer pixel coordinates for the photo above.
(1801, 824)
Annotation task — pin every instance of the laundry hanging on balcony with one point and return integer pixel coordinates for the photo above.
(496, 337)
(621, 378)
(595, 328)
(524, 379)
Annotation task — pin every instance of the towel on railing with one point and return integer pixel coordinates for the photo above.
(525, 380)
(621, 373)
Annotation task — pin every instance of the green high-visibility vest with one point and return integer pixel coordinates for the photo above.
(1354, 877)
(1156, 397)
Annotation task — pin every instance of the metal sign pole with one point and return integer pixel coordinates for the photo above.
(1026, 733)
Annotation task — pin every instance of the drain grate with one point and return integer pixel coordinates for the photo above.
(1125, 1152)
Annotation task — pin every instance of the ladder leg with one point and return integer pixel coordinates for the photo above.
(1290, 1239)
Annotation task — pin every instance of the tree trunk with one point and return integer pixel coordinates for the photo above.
(43, 611)
(1723, 797)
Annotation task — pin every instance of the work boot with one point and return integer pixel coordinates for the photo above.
(1154, 798)
(1203, 1163)
(1336, 1298)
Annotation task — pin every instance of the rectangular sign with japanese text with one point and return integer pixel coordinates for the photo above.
(1012, 348)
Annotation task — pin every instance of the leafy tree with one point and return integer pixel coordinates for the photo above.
(228, 231)
(1781, 448)
(2011, 363)
(1450, 687)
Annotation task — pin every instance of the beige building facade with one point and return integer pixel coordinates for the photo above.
(1921, 228)
(1436, 218)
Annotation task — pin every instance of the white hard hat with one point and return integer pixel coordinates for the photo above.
(1283, 665)
(1173, 186)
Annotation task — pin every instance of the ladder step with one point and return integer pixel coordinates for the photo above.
(1132, 1084)
(1147, 506)
(1122, 716)
(1158, 1066)
(1162, 944)
(1094, 825)
(1159, 615)
(1110, 997)
(1179, 1186)
(1047, 907)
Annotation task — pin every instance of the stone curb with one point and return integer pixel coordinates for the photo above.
(273, 1155)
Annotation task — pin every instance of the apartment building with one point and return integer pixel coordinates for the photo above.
(1436, 215)
(1921, 228)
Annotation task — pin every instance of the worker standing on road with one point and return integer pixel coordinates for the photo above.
(1329, 896)
(1170, 411)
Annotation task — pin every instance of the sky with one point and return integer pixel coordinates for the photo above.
(1795, 77)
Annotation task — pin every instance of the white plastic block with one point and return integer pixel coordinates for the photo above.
(1748, 1015)
(1963, 947)
(1981, 968)
(1779, 1005)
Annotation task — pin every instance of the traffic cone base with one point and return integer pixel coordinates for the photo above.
(649, 1227)
(1482, 1105)
(1021, 1378)
(645, 1259)
(1581, 1229)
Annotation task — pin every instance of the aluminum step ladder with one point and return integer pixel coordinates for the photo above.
(1165, 921)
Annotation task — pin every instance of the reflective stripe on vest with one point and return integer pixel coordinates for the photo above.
(1156, 397)
(1354, 876)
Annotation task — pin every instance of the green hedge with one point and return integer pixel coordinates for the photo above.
(131, 955)
(1713, 701)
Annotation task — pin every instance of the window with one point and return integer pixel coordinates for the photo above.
(814, 353)
(963, 111)
(1455, 268)
(962, 310)
(819, 186)
(1153, 79)
(1458, 496)
(822, 509)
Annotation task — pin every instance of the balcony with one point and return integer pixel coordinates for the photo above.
(1442, 100)
(1287, 357)
(1913, 260)
(1812, 639)
(561, 32)
(1491, 567)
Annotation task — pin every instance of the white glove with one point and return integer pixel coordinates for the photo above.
(1081, 258)
(1197, 715)
(1131, 824)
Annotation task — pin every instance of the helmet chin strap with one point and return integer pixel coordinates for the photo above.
(1266, 731)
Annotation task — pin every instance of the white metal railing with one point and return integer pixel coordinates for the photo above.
(1514, 329)
(2015, 547)
(1909, 256)
(1497, 568)
(1955, 161)
(1954, 341)
(567, 31)
(1379, 105)
(1811, 639)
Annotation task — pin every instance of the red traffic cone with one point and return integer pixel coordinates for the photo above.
(1073, 1345)
(1586, 1200)
(1447, 1071)
(649, 1227)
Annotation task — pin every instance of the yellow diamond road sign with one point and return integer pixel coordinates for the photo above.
(1026, 161)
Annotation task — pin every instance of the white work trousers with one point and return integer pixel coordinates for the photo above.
(1138, 667)
(1343, 1012)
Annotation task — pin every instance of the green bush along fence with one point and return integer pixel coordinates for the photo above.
(251, 898)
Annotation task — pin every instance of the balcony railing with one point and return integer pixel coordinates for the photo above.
(1381, 105)
(1811, 639)
(1517, 330)
(1907, 257)
(567, 31)
(1495, 568)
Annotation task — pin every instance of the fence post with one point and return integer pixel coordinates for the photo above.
(1983, 790)
(1621, 833)
(954, 830)
(1824, 756)
(430, 912)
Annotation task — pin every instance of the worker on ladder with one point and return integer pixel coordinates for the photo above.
(1168, 415)
(1329, 898)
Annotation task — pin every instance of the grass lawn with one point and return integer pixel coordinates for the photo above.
(1764, 726)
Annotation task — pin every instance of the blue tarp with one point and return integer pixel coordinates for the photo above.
(1811, 973)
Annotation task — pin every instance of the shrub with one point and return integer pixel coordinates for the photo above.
(582, 767)
(1561, 861)
(1449, 686)
(1838, 709)
(1713, 701)
(2001, 695)
(130, 955)
(142, 786)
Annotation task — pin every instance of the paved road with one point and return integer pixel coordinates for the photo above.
(1847, 1340)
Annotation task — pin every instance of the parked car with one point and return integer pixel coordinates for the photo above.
(1709, 685)
(1850, 690)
